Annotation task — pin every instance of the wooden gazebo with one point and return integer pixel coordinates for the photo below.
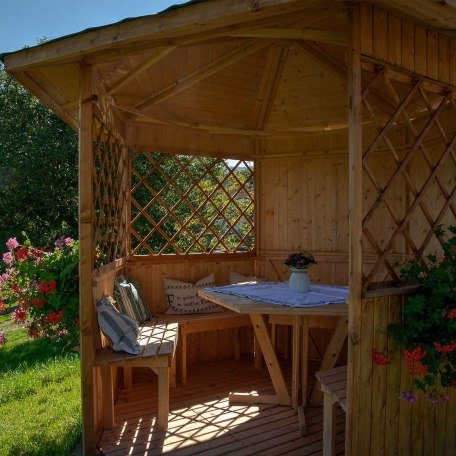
(323, 124)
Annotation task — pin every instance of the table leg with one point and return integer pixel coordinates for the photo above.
(332, 353)
(304, 358)
(271, 360)
(297, 323)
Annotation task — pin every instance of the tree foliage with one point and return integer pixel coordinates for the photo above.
(38, 162)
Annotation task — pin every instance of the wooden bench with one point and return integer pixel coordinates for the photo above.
(158, 340)
(198, 323)
(333, 384)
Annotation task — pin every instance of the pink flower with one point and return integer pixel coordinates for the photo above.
(68, 241)
(19, 315)
(12, 243)
(8, 258)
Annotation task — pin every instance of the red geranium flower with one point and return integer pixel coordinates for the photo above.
(22, 253)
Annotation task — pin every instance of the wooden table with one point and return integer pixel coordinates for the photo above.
(258, 311)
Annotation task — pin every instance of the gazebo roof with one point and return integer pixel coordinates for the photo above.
(239, 68)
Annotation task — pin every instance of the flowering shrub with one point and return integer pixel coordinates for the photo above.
(427, 336)
(300, 260)
(44, 286)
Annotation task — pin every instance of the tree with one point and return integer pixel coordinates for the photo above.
(38, 163)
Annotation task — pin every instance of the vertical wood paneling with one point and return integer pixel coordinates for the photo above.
(420, 49)
(397, 40)
(380, 33)
(444, 60)
(394, 39)
(453, 62)
(366, 28)
(432, 55)
(408, 45)
(388, 425)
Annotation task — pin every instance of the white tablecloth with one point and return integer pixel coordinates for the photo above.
(278, 293)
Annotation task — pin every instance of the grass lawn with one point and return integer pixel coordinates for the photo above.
(40, 396)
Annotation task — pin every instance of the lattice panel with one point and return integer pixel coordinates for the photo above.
(109, 179)
(409, 167)
(190, 205)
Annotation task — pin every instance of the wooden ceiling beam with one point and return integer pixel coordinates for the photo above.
(270, 79)
(143, 117)
(324, 36)
(204, 72)
(140, 69)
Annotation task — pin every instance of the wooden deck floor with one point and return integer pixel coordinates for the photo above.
(202, 421)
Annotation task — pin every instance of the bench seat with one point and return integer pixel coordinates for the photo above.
(198, 323)
(158, 340)
(333, 384)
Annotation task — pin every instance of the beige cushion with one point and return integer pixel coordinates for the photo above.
(239, 278)
(181, 297)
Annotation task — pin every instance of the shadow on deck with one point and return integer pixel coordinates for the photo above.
(202, 421)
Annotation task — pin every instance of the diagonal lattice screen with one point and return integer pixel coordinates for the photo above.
(409, 167)
(188, 205)
(109, 195)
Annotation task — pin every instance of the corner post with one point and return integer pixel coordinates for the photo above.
(355, 220)
(86, 256)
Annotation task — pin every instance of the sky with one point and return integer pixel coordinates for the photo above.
(23, 22)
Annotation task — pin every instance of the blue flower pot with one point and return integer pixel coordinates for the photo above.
(299, 280)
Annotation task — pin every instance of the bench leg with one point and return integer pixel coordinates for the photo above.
(183, 358)
(108, 397)
(236, 344)
(128, 377)
(172, 373)
(163, 397)
(329, 425)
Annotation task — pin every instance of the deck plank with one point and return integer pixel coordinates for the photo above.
(203, 422)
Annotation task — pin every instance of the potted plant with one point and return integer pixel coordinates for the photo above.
(299, 263)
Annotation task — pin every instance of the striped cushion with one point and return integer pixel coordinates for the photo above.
(129, 299)
(120, 329)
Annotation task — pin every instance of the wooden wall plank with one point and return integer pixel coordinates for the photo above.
(379, 377)
(408, 45)
(420, 49)
(453, 62)
(444, 59)
(393, 381)
(432, 55)
(394, 39)
(380, 33)
(366, 28)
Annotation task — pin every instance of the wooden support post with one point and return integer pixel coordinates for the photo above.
(86, 308)
(163, 397)
(183, 358)
(355, 117)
